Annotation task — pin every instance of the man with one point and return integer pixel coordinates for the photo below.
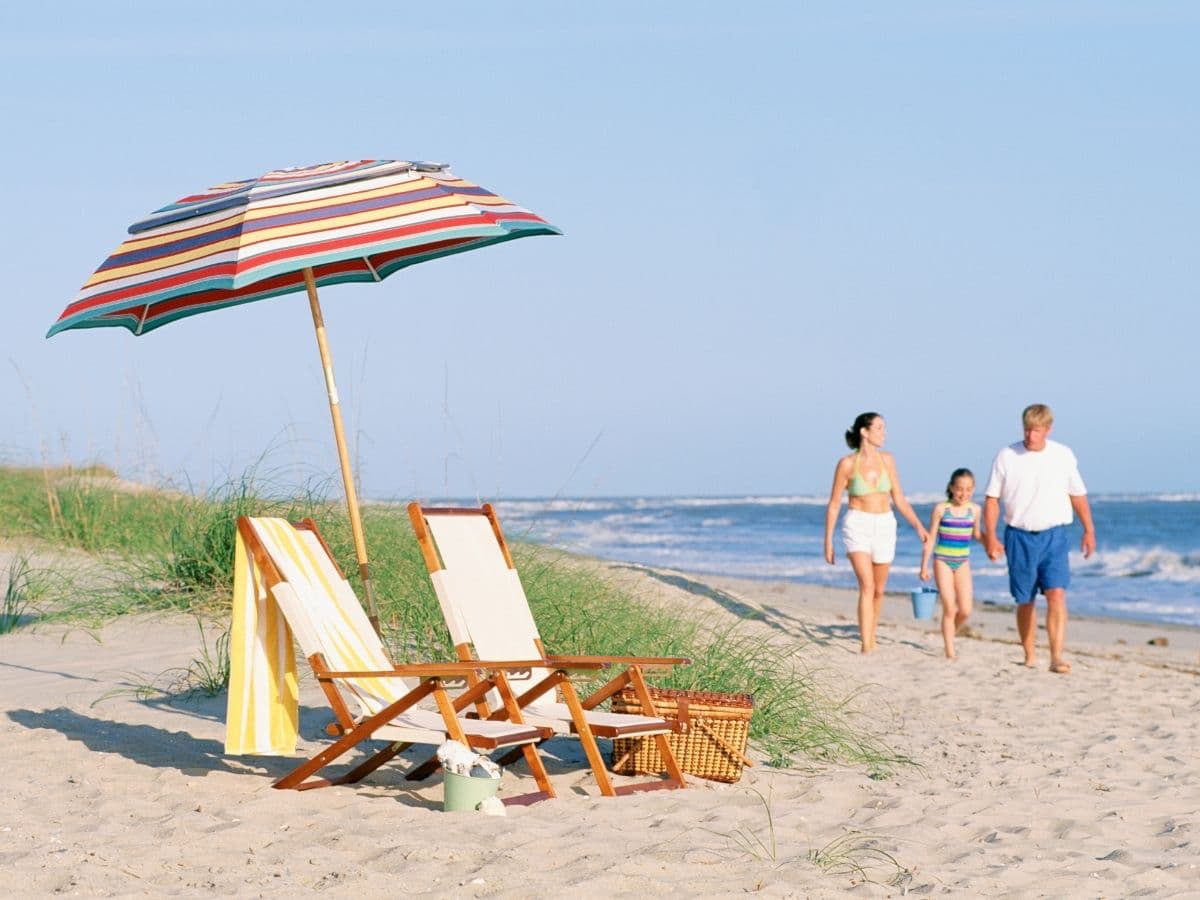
(1038, 482)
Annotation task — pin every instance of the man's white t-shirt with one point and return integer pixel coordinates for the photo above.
(1036, 488)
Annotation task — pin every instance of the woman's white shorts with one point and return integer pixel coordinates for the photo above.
(873, 533)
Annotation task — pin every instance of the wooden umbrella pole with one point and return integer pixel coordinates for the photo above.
(339, 434)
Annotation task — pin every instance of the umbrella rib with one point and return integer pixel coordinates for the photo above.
(374, 274)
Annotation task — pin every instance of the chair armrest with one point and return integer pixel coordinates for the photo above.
(442, 670)
(557, 662)
(645, 661)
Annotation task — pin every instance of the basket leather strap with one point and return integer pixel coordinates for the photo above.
(682, 714)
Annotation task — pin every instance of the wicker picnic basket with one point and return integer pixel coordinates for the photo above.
(710, 743)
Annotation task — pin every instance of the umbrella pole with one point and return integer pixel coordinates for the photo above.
(339, 434)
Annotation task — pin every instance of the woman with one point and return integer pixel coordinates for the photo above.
(869, 476)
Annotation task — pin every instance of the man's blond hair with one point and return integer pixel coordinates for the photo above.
(1037, 415)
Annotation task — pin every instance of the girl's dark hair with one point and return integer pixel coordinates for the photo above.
(853, 438)
(954, 476)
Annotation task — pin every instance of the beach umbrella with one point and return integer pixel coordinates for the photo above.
(294, 230)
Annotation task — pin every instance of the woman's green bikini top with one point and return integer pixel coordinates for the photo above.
(859, 486)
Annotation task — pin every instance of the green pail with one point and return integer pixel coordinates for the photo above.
(464, 794)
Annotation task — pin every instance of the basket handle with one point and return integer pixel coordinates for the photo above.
(737, 754)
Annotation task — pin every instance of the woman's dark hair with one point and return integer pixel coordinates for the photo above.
(954, 476)
(853, 438)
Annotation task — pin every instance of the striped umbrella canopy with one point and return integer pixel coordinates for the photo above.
(250, 240)
(293, 230)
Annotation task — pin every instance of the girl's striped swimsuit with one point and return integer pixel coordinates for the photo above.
(954, 535)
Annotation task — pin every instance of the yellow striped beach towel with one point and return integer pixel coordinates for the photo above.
(263, 711)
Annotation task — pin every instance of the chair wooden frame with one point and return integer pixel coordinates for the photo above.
(579, 722)
(432, 678)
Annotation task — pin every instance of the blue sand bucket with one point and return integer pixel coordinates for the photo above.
(923, 602)
(464, 793)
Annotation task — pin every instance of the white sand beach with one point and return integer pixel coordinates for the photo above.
(1023, 783)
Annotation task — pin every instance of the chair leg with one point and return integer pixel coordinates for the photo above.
(588, 740)
(674, 773)
(538, 768)
(424, 770)
(358, 773)
(296, 778)
(353, 737)
(512, 755)
(668, 757)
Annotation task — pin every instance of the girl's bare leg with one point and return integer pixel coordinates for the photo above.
(946, 585)
(864, 571)
(964, 590)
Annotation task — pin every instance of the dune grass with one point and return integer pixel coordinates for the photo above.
(173, 550)
(22, 586)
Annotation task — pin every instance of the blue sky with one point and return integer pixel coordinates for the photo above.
(772, 221)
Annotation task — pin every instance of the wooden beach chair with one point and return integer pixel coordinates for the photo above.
(291, 566)
(487, 612)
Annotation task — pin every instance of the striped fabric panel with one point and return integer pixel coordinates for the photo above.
(262, 713)
(246, 241)
(954, 536)
(335, 617)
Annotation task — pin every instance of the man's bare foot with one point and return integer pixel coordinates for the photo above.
(1060, 667)
(1030, 662)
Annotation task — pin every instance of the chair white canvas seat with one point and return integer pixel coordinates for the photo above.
(558, 717)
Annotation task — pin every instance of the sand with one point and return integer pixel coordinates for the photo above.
(1023, 783)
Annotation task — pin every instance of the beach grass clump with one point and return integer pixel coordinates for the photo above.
(198, 553)
(165, 549)
(207, 674)
(859, 856)
(83, 508)
(22, 588)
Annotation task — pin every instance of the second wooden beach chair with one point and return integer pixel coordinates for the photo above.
(487, 613)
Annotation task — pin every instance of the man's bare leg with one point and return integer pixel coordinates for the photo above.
(1056, 628)
(1027, 629)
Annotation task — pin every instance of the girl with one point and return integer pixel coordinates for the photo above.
(869, 476)
(955, 523)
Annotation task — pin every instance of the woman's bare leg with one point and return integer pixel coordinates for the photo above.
(865, 573)
(880, 571)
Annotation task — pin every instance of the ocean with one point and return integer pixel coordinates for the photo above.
(1147, 565)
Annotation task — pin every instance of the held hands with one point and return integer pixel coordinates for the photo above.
(924, 572)
(993, 547)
